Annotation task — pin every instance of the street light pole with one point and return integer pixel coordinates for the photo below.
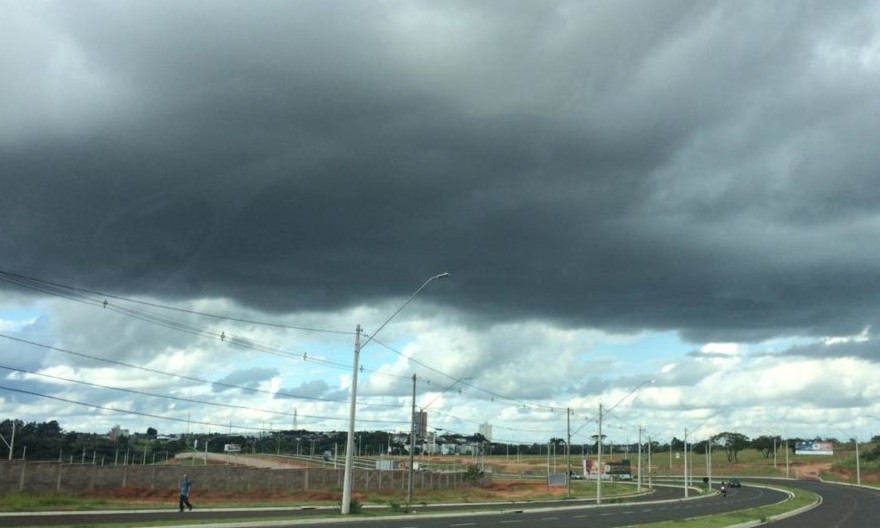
(709, 461)
(412, 445)
(568, 448)
(639, 486)
(787, 465)
(349, 460)
(685, 462)
(349, 443)
(599, 462)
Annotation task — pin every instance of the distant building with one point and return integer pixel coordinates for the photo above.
(420, 421)
(117, 432)
(486, 431)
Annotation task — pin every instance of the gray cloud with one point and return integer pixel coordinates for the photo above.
(701, 168)
(317, 389)
(865, 350)
(250, 378)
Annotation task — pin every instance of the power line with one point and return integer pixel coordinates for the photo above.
(178, 376)
(126, 411)
(188, 400)
(94, 297)
(100, 299)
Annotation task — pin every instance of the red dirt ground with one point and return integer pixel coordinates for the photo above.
(507, 490)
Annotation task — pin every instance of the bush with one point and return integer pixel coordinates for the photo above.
(397, 507)
(355, 506)
(473, 474)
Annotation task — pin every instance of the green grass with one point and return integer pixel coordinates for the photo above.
(49, 502)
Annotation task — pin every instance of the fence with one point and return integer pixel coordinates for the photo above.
(48, 477)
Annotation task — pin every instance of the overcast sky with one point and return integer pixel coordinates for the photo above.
(685, 192)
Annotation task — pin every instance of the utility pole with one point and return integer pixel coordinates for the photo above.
(787, 466)
(346, 483)
(599, 462)
(349, 460)
(412, 445)
(709, 461)
(685, 462)
(568, 448)
(639, 486)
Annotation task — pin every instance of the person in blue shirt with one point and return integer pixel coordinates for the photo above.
(185, 488)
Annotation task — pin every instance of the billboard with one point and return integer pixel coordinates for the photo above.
(814, 448)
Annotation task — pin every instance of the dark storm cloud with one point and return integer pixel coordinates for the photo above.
(866, 350)
(583, 163)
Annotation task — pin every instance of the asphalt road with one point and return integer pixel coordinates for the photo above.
(560, 514)
(842, 507)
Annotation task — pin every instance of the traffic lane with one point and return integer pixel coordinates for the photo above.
(842, 507)
(611, 516)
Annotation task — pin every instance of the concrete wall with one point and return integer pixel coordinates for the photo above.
(19, 475)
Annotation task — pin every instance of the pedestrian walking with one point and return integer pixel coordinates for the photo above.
(185, 489)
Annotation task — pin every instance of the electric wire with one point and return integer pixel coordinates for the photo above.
(178, 376)
(99, 299)
(190, 400)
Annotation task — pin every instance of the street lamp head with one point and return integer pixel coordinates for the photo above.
(443, 275)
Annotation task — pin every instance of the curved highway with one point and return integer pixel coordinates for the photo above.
(842, 506)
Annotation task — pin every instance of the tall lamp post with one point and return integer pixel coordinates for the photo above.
(639, 485)
(412, 445)
(349, 444)
(599, 454)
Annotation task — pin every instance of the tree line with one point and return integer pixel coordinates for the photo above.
(48, 441)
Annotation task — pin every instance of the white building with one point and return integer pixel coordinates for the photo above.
(486, 431)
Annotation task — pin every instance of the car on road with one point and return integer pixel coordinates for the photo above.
(734, 483)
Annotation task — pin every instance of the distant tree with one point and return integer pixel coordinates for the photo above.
(765, 444)
(732, 444)
(701, 447)
(152, 433)
(873, 454)
(477, 438)
(676, 445)
(595, 438)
